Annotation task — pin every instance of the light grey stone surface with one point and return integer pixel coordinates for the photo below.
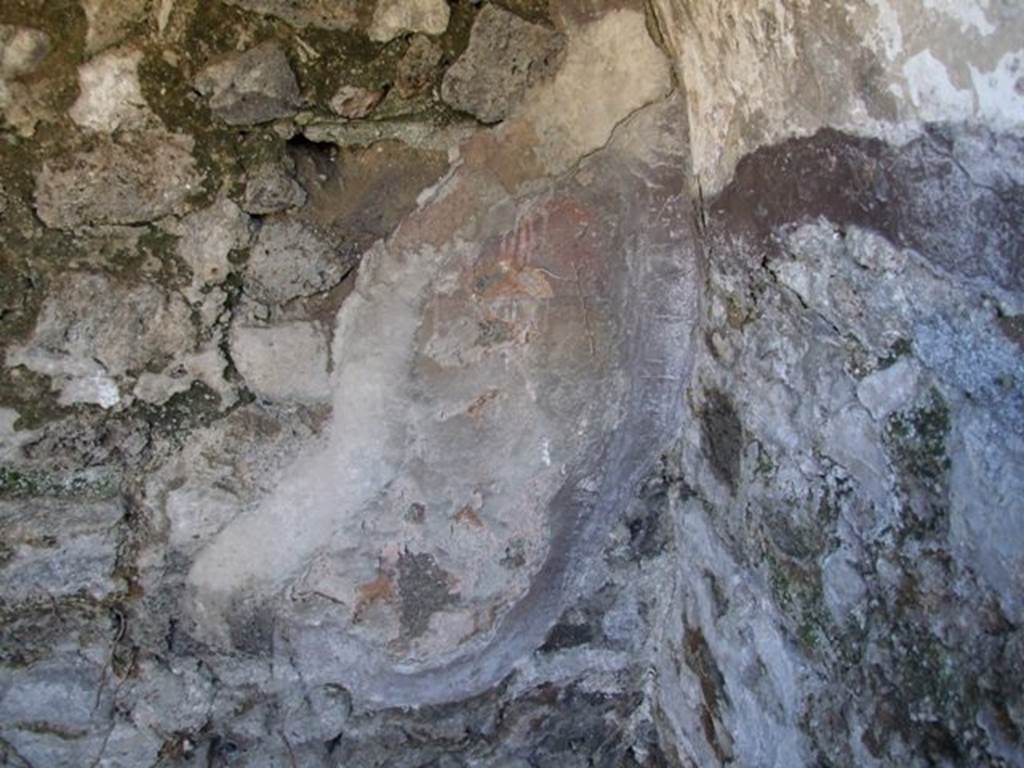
(79, 556)
(92, 334)
(110, 96)
(270, 189)
(889, 389)
(506, 54)
(137, 177)
(208, 238)
(282, 362)
(854, 371)
(392, 18)
(56, 710)
(667, 412)
(22, 49)
(256, 86)
(290, 260)
(354, 102)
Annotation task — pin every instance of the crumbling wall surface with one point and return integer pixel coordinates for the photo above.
(759, 71)
(849, 526)
(413, 382)
(337, 341)
(849, 515)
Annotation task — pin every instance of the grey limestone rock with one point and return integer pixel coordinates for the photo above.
(56, 711)
(92, 334)
(78, 556)
(22, 49)
(354, 102)
(282, 362)
(291, 259)
(392, 18)
(208, 237)
(419, 66)
(506, 54)
(253, 87)
(667, 413)
(270, 188)
(135, 178)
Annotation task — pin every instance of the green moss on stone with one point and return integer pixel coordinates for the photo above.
(900, 348)
(31, 395)
(916, 438)
(65, 23)
(198, 406)
(798, 593)
(78, 484)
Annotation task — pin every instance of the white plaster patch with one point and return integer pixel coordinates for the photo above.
(890, 389)
(98, 389)
(612, 68)
(932, 92)
(1001, 92)
(887, 37)
(970, 14)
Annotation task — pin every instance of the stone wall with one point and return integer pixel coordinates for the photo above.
(412, 383)
(848, 520)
